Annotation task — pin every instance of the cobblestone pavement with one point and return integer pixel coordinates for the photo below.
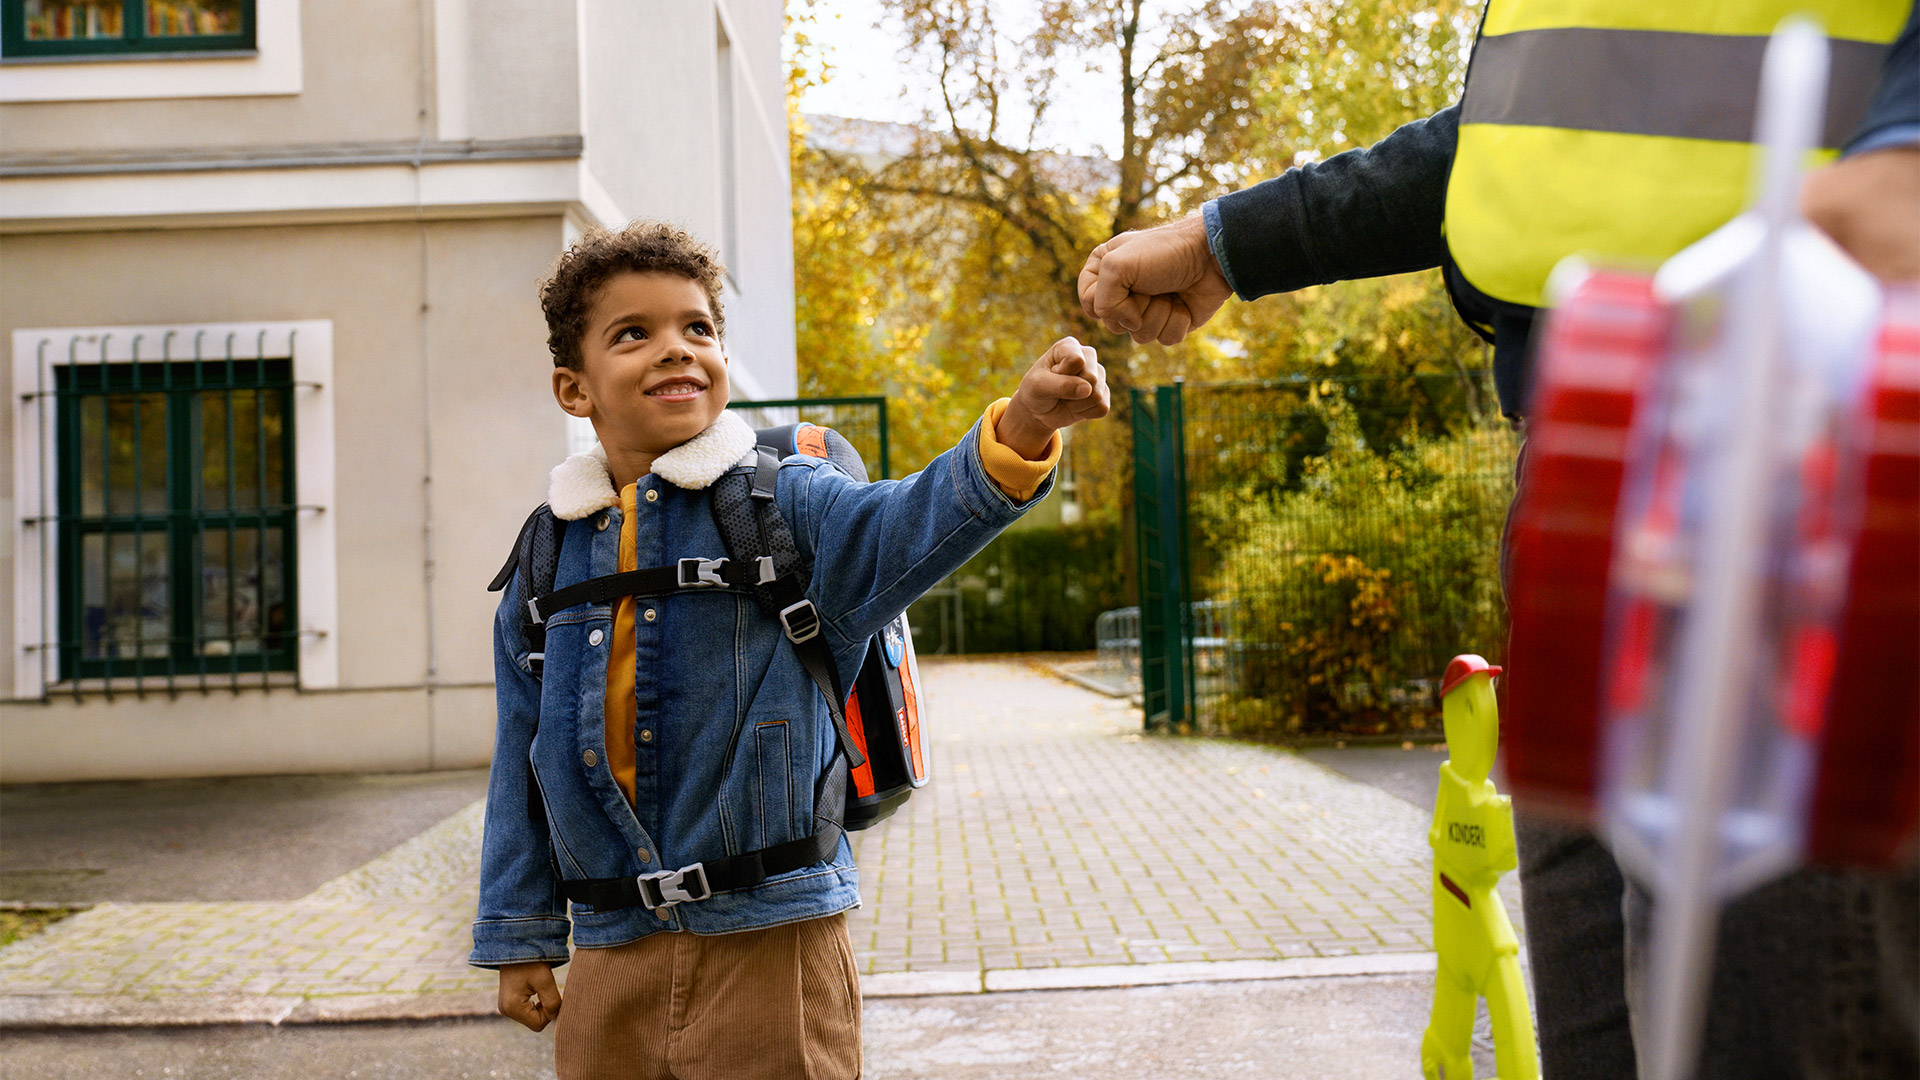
(1054, 836)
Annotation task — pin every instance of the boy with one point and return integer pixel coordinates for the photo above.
(668, 730)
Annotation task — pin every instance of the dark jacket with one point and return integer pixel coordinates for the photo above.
(1379, 210)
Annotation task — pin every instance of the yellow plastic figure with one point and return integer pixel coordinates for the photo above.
(1472, 839)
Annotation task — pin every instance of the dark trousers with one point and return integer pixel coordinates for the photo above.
(1571, 899)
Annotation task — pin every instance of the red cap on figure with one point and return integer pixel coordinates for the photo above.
(1462, 666)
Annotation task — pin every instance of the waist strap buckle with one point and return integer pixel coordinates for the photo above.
(696, 572)
(665, 888)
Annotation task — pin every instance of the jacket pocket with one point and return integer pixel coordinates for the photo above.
(565, 865)
(773, 783)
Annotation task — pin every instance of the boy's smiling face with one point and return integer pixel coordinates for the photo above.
(653, 373)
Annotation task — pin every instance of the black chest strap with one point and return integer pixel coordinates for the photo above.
(687, 575)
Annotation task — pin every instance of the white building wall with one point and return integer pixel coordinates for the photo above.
(434, 160)
(656, 140)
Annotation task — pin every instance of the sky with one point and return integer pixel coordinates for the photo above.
(871, 82)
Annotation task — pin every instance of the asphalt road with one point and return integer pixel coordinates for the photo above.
(1413, 775)
(242, 838)
(1325, 1029)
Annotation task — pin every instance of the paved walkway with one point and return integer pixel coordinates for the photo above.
(1055, 835)
(1057, 847)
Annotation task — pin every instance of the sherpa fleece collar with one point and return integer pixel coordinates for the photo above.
(581, 484)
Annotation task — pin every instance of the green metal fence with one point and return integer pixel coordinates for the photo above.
(1312, 551)
(863, 420)
(1161, 538)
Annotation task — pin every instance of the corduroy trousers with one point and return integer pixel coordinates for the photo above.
(776, 1004)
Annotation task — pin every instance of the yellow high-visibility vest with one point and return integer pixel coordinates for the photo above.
(1623, 128)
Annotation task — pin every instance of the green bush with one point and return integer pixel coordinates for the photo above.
(1351, 582)
(1030, 590)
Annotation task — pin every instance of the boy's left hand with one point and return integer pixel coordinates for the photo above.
(1064, 387)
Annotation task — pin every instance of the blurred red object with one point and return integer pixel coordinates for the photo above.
(1856, 693)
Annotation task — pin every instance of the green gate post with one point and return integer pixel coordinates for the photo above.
(1160, 529)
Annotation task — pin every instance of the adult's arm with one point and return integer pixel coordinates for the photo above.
(1869, 200)
(1893, 117)
(1364, 213)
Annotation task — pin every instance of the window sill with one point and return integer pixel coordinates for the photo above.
(126, 685)
(111, 57)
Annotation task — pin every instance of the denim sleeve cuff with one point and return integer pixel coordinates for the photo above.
(1886, 138)
(1217, 241)
(499, 942)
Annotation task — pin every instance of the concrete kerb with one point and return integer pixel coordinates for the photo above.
(1085, 682)
(1119, 976)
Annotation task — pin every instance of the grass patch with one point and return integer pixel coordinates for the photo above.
(15, 925)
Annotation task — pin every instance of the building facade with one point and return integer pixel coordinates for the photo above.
(280, 383)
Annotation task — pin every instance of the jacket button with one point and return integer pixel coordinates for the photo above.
(651, 615)
(646, 734)
(590, 758)
(644, 857)
(600, 523)
(594, 638)
(652, 495)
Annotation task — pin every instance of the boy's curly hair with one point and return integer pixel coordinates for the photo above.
(645, 247)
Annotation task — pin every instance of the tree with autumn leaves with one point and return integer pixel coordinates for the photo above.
(934, 269)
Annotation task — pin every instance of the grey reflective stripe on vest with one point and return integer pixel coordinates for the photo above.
(1648, 82)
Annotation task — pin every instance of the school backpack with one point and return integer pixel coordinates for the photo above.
(877, 721)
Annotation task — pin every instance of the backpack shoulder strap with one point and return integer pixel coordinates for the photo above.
(535, 559)
(753, 527)
(534, 563)
(513, 557)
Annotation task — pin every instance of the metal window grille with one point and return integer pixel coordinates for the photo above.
(174, 530)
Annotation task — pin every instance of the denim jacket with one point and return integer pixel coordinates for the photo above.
(712, 671)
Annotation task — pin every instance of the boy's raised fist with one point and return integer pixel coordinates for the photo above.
(1064, 387)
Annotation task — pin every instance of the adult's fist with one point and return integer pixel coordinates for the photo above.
(1156, 284)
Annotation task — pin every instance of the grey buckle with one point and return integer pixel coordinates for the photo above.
(533, 609)
(665, 888)
(699, 572)
(804, 628)
(766, 568)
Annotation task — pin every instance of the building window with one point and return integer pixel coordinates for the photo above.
(174, 508)
(176, 518)
(70, 28)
